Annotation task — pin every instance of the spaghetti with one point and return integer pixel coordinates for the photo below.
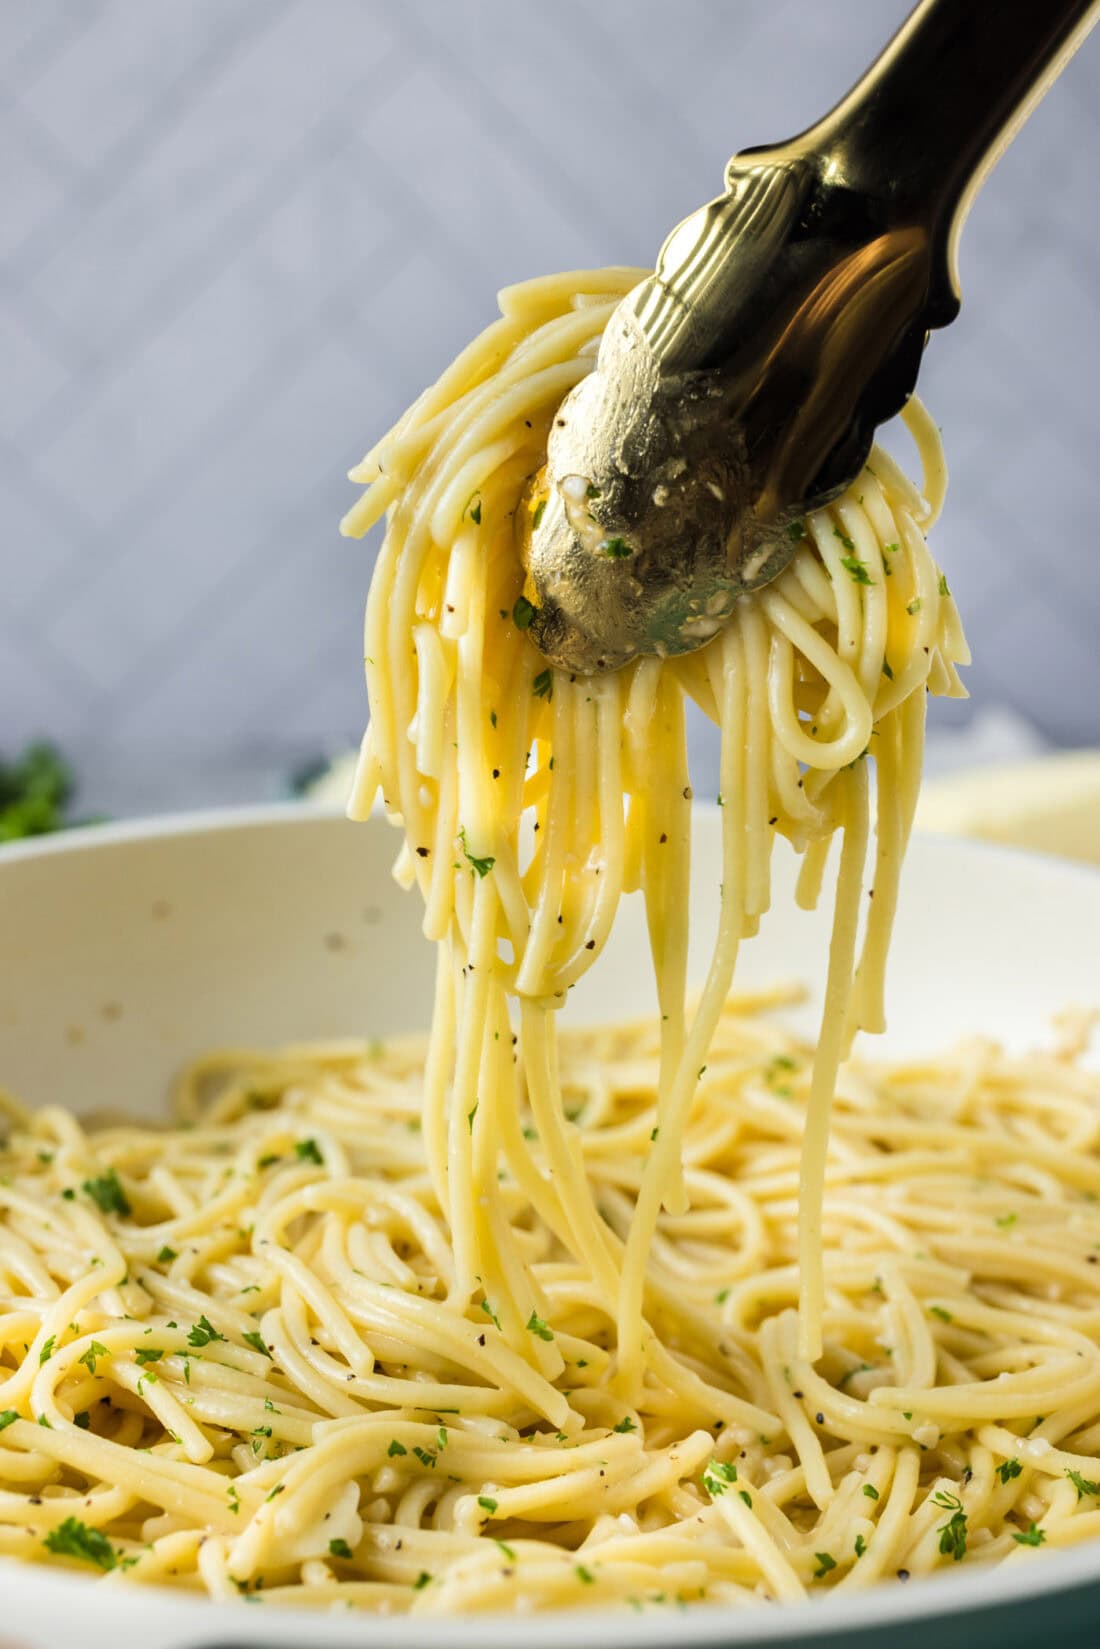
(236, 1359)
(520, 1319)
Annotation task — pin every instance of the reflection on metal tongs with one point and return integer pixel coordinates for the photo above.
(741, 383)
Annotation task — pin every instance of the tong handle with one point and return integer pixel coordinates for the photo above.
(920, 131)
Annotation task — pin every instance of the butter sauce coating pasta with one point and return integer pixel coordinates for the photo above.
(658, 1314)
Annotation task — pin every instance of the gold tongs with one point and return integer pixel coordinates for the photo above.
(741, 384)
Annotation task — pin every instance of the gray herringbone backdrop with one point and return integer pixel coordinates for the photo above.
(237, 235)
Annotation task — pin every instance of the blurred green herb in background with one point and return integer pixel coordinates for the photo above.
(35, 790)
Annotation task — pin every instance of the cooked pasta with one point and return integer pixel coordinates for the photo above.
(237, 1357)
(664, 1313)
(473, 737)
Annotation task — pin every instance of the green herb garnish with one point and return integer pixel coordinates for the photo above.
(75, 1539)
(1032, 1536)
(952, 1533)
(92, 1355)
(717, 1476)
(536, 1326)
(203, 1333)
(107, 1192)
(857, 569)
(522, 613)
(480, 867)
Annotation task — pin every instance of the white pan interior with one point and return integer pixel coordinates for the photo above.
(126, 949)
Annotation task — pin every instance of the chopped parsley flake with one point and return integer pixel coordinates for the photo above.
(427, 1457)
(857, 568)
(861, 1545)
(423, 1579)
(203, 1333)
(92, 1355)
(508, 1551)
(1032, 1536)
(540, 511)
(825, 1562)
(522, 613)
(75, 1539)
(396, 1448)
(625, 1424)
(8, 1418)
(1006, 1220)
(938, 1311)
(536, 1325)
(1008, 1469)
(490, 1313)
(339, 1548)
(487, 1503)
(254, 1339)
(1083, 1485)
(585, 1575)
(309, 1151)
(870, 1491)
(47, 1350)
(149, 1356)
(945, 591)
(470, 1115)
(717, 1476)
(480, 867)
(473, 509)
(543, 685)
(166, 1255)
(914, 606)
(952, 1533)
(616, 549)
(106, 1191)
